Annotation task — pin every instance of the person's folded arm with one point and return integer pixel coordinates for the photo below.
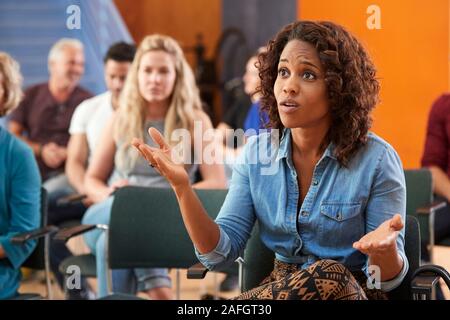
(77, 155)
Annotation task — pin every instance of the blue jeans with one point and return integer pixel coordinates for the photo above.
(128, 281)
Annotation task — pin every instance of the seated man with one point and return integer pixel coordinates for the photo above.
(42, 118)
(436, 157)
(85, 130)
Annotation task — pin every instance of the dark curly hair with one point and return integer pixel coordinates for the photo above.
(349, 76)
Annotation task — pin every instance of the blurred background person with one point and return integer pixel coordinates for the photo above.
(244, 114)
(85, 129)
(20, 185)
(160, 92)
(42, 119)
(436, 157)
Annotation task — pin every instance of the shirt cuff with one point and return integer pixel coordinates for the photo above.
(218, 255)
(11, 253)
(390, 285)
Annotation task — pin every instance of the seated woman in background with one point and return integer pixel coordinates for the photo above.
(20, 185)
(436, 158)
(332, 208)
(160, 92)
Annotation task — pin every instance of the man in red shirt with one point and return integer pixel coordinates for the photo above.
(436, 157)
(42, 119)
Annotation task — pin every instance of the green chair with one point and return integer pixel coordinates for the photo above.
(146, 230)
(420, 203)
(39, 258)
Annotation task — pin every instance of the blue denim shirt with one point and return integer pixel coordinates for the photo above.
(341, 206)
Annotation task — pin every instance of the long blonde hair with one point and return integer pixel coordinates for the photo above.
(132, 111)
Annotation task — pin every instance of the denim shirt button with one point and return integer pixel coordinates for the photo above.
(339, 216)
(304, 213)
(315, 182)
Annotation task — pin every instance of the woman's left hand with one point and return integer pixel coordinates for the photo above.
(381, 239)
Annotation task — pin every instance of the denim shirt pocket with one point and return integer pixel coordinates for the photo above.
(341, 223)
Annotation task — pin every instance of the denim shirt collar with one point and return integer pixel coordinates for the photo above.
(285, 148)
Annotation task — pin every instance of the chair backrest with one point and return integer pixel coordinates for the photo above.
(147, 231)
(36, 260)
(419, 193)
(258, 260)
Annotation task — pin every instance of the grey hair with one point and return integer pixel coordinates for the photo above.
(61, 44)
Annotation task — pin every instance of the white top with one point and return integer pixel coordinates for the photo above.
(90, 117)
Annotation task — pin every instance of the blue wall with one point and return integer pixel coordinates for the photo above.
(28, 29)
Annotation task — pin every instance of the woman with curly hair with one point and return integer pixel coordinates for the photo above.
(333, 209)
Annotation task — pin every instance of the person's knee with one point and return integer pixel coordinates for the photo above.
(58, 183)
(98, 213)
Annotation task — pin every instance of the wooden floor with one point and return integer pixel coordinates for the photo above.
(189, 289)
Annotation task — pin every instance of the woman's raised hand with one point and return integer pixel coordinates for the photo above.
(161, 158)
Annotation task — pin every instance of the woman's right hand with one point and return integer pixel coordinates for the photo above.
(161, 159)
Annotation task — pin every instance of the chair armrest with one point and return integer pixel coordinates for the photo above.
(70, 199)
(34, 234)
(425, 278)
(436, 205)
(67, 233)
(197, 271)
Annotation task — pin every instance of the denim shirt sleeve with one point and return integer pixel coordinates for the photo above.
(389, 285)
(236, 217)
(388, 197)
(218, 255)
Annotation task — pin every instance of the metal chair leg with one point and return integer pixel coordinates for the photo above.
(66, 292)
(431, 233)
(178, 284)
(241, 263)
(108, 271)
(47, 267)
(216, 286)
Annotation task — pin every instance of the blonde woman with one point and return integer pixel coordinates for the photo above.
(19, 185)
(159, 92)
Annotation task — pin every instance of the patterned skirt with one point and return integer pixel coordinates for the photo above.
(323, 280)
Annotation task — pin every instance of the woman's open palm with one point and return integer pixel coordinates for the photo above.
(382, 238)
(161, 158)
